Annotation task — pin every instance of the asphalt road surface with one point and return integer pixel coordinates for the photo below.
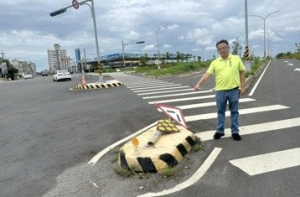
(49, 134)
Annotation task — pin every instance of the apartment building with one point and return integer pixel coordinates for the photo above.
(57, 59)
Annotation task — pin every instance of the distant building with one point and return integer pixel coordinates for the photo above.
(24, 67)
(57, 59)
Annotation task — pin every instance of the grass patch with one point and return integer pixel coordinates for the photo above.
(124, 172)
(172, 69)
(170, 172)
(197, 147)
(256, 65)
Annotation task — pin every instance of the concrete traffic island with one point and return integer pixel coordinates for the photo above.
(155, 150)
(97, 85)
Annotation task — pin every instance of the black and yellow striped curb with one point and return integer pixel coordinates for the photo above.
(93, 86)
(167, 152)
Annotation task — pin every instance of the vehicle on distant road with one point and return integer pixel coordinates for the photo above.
(28, 76)
(61, 75)
(45, 73)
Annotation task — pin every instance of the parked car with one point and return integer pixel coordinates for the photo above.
(61, 75)
(28, 76)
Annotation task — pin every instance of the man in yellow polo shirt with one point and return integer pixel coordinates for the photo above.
(229, 86)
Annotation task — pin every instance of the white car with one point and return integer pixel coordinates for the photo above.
(28, 76)
(62, 75)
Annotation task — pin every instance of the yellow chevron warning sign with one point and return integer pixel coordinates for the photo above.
(247, 53)
(100, 68)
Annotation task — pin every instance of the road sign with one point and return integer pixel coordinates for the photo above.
(75, 4)
(174, 113)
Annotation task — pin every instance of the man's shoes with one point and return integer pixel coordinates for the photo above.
(236, 137)
(218, 135)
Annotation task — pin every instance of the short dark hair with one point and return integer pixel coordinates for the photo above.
(222, 41)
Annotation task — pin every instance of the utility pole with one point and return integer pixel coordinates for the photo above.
(247, 52)
(2, 54)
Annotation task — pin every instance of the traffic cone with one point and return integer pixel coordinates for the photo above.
(83, 81)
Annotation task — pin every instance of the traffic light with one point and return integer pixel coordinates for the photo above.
(58, 12)
(140, 42)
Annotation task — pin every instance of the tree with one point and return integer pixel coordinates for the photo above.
(199, 58)
(144, 59)
(236, 47)
(177, 56)
(168, 56)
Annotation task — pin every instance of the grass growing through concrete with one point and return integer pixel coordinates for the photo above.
(197, 147)
(123, 172)
(170, 172)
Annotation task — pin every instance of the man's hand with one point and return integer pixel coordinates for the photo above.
(242, 91)
(196, 88)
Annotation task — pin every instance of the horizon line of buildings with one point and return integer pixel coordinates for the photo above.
(59, 60)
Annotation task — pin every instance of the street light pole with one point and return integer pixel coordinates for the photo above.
(264, 19)
(268, 33)
(92, 7)
(157, 46)
(247, 52)
(203, 51)
(123, 47)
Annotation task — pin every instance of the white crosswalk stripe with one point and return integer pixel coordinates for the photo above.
(186, 100)
(167, 91)
(180, 94)
(159, 89)
(268, 162)
(153, 87)
(241, 112)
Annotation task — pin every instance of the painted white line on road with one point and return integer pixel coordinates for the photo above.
(241, 112)
(254, 129)
(208, 104)
(297, 69)
(182, 99)
(171, 88)
(268, 162)
(143, 84)
(180, 94)
(255, 86)
(168, 91)
(193, 179)
(94, 160)
(156, 86)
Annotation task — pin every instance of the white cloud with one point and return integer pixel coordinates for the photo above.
(132, 36)
(167, 46)
(172, 27)
(149, 47)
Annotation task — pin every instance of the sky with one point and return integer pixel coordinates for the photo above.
(27, 30)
